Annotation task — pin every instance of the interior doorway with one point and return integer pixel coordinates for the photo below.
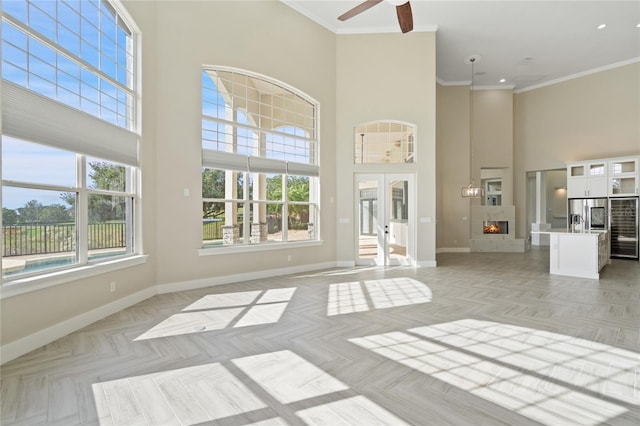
(385, 229)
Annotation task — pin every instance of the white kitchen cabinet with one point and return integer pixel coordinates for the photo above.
(587, 179)
(624, 176)
(578, 254)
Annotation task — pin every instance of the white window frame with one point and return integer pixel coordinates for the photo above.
(91, 136)
(260, 162)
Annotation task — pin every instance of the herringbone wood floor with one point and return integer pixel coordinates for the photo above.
(486, 339)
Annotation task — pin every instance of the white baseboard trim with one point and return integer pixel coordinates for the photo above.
(43, 337)
(228, 279)
(453, 250)
(427, 263)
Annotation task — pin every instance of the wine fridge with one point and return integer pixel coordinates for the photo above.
(623, 226)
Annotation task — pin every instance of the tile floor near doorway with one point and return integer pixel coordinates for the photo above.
(482, 339)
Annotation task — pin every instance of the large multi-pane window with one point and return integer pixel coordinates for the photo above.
(79, 53)
(260, 168)
(69, 135)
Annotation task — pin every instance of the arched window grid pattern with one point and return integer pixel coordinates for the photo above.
(260, 163)
(249, 114)
(384, 142)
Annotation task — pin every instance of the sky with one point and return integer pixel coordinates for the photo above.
(90, 31)
(29, 162)
(101, 46)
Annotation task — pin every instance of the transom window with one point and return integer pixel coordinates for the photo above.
(384, 142)
(69, 175)
(259, 176)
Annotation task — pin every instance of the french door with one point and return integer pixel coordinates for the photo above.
(385, 230)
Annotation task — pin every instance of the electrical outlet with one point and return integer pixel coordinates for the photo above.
(112, 286)
(289, 258)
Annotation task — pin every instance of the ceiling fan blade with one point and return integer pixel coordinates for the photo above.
(358, 9)
(405, 17)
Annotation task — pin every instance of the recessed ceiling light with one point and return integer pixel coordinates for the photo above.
(601, 26)
(638, 26)
(502, 80)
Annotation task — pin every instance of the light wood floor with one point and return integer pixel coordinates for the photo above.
(483, 339)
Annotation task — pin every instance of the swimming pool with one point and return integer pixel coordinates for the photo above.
(53, 263)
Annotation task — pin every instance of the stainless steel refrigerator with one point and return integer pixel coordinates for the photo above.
(587, 213)
(623, 227)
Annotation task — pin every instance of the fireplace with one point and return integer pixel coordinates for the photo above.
(495, 227)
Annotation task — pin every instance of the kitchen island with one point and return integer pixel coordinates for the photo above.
(578, 254)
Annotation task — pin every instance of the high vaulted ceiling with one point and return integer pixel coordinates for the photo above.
(527, 43)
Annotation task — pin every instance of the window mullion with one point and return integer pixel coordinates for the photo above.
(246, 209)
(82, 211)
(285, 209)
(29, 185)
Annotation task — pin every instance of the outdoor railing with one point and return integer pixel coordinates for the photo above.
(212, 229)
(27, 239)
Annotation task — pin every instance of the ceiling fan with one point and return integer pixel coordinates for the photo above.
(405, 17)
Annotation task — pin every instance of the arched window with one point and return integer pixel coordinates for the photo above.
(260, 162)
(384, 142)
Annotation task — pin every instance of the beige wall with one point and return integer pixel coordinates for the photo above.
(29, 313)
(268, 38)
(595, 116)
(452, 135)
(178, 38)
(386, 77)
(493, 137)
(491, 147)
(356, 79)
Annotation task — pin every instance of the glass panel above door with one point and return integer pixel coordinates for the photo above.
(382, 142)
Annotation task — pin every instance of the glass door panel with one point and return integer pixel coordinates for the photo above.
(368, 220)
(385, 224)
(397, 221)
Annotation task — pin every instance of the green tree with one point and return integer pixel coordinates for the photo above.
(9, 216)
(103, 208)
(55, 213)
(274, 192)
(298, 190)
(31, 212)
(213, 186)
(107, 176)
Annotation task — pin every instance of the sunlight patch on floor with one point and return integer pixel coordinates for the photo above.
(361, 296)
(288, 377)
(189, 396)
(547, 377)
(235, 393)
(357, 410)
(219, 311)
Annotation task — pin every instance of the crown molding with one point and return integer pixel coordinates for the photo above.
(580, 74)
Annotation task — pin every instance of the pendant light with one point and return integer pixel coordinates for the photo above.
(471, 191)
